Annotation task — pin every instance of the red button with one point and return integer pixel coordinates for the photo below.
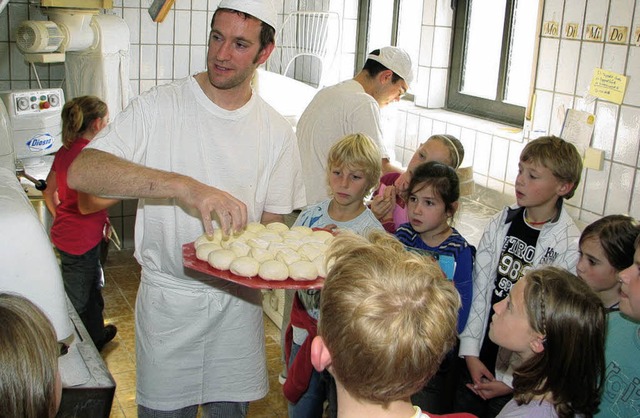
(45, 105)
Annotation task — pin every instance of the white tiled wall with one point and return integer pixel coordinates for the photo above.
(565, 68)
(160, 53)
(177, 47)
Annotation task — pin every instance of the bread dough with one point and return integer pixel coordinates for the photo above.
(305, 230)
(227, 241)
(295, 235)
(206, 239)
(258, 243)
(277, 226)
(294, 244)
(322, 236)
(244, 266)
(312, 250)
(319, 262)
(240, 248)
(270, 236)
(221, 259)
(273, 270)
(303, 270)
(288, 256)
(274, 252)
(202, 252)
(254, 227)
(261, 255)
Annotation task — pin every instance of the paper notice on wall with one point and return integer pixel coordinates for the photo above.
(578, 128)
(608, 85)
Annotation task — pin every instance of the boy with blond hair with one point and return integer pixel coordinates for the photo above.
(353, 170)
(536, 231)
(387, 318)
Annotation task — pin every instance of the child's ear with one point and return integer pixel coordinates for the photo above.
(537, 344)
(320, 356)
(564, 188)
(454, 209)
(95, 125)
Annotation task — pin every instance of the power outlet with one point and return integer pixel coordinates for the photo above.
(594, 159)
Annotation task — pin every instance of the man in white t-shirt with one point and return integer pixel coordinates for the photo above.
(199, 153)
(352, 106)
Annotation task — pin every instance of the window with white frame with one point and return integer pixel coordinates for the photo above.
(492, 58)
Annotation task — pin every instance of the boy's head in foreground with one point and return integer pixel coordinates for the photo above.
(549, 168)
(387, 317)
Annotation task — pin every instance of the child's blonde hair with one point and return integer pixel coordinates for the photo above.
(77, 116)
(387, 317)
(29, 357)
(357, 152)
(571, 319)
(559, 156)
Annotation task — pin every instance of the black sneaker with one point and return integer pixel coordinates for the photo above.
(110, 332)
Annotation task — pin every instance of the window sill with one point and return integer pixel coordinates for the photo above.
(465, 121)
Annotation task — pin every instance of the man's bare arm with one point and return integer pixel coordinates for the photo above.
(103, 174)
(268, 217)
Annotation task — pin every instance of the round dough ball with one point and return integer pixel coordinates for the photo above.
(258, 243)
(261, 255)
(277, 226)
(295, 235)
(226, 242)
(244, 266)
(312, 250)
(206, 239)
(202, 252)
(294, 244)
(270, 236)
(221, 259)
(303, 270)
(240, 248)
(288, 256)
(274, 247)
(304, 230)
(273, 270)
(321, 266)
(255, 227)
(246, 236)
(323, 236)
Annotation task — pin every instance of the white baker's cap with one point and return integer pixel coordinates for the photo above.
(396, 59)
(260, 9)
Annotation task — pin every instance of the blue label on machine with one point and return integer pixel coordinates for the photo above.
(40, 142)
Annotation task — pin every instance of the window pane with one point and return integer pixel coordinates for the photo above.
(523, 35)
(483, 48)
(380, 24)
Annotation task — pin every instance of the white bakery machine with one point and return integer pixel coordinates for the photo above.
(35, 130)
(27, 263)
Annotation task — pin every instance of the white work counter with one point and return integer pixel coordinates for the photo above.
(288, 96)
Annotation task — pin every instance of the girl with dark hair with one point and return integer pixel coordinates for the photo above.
(432, 201)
